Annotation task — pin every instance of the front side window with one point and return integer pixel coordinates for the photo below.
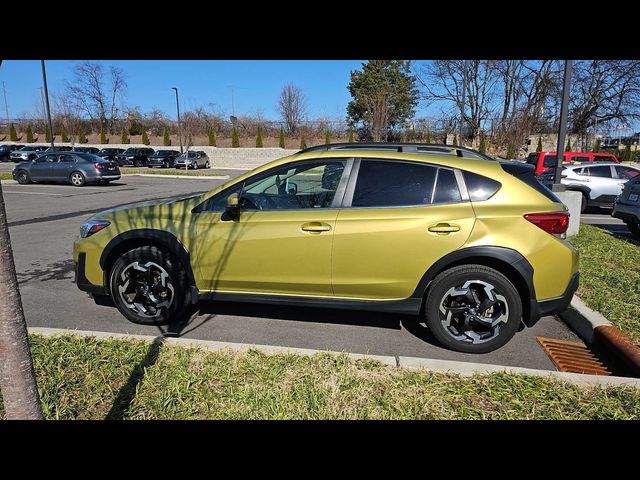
(66, 158)
(47, 158)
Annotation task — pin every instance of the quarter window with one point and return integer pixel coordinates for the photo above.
(479, 187)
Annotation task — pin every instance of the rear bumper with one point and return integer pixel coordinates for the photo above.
(626, 213)
(553, 306)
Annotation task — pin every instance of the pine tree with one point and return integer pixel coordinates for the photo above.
(596, 147)
(47, 133)
(539, 146)
(235, 139)
(145, 137)
(29, 134)
(212, 138)
(13, 135)
(303, 144)
(103, 136)
(428, 136)
(455, 139)
(327, 138)
(166, 139)
(65, 137)
(81, 137)
(281, 138)
(124, 138)
(403, 137)
(259, 138)
(628, 156)
(568, 147)
(483, 145)
(350, 135)
(510, 152)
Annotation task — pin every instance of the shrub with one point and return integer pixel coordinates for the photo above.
(124, 138)
(281, 138)
(539, 146)
(627, 155)
(327, 138)
(65, 137)
(212, 138)
(166, 139)
(13, 135)
(259, 138)
(350, 135)
(235, 139)
(455, 139)
(483, 145)
(510, 152)
(303, 144)
(81, 136)
(145, 138)
(428, 136)
(29, 134)
(103, 136)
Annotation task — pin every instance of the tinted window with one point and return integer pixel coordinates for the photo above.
(579, 159)
(392, 184)
(603, 158)
(549, 160)
(479, 187)
(66, 158)
(603, 171)
(90, 157)
(46, 158)
(446, 187)
(626, 172)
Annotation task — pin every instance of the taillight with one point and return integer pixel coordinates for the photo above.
(550, 222)
(100, 166)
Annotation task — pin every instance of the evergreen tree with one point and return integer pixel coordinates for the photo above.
(403, 137)
(596, 147)
(212, 137)
(455, 139)
(539, 146)
(166, 139)
(428, 136)
(65, 137)
(103, 136)
(81, 137)
(628, 156)
(303, 144)
(47, 133)
(13, 135)
(281, 138)
(145, 137)
(29, 134)
(350, 135)
(235, 139)
(483, 145)
(568, 147)
(510, 152)
(124, 138)
(327, 138)
(259, 138)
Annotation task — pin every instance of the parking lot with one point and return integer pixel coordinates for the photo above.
(44, 221)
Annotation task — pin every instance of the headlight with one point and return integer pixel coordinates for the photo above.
(92, 226)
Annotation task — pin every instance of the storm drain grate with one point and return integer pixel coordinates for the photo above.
(572, 357)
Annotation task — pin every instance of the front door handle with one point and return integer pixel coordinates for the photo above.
(444, 228)
(316, 227)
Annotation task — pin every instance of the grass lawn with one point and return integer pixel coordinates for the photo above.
(6, 176)
(610, 277)
(171, 171)
(84, 378)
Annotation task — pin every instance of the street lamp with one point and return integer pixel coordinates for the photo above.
(179, 124)
(564, 109)
(46, 97)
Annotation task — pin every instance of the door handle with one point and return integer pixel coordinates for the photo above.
(444, 228)
(316, 227)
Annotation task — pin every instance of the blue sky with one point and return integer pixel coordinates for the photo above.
(256, 84)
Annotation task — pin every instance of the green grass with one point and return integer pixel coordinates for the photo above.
(610, 277)
(84, 378)
(6, 176)
(170, 171)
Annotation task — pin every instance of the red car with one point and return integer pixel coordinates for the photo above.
(544, 161)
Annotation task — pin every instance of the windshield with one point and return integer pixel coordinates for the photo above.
(131, 150)
(28, 148)
(163, 153)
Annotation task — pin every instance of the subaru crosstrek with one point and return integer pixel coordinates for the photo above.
(472, 246)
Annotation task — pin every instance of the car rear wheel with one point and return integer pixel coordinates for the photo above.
(206, 165)
(149, 286)
(77, 179)
(634, 228)
(23, 177)
(473, 309)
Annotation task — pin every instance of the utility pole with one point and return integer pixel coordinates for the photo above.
(179, 123)
(564, 110)
(6, 105)
(46, 97)
(464, 100)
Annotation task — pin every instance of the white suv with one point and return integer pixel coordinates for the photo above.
(600, 184)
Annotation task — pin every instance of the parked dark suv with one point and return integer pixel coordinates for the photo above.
(163, 158)
(92, 150)
(136, 156)
(110, 153)
(5, 151)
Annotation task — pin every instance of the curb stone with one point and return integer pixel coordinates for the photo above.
(411, 363)
(189, 177)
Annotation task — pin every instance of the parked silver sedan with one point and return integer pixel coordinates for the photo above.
(194, 159)
(67, 167)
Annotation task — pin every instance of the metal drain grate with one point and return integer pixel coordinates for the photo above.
(572, 357)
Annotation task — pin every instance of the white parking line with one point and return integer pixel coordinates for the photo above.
(35, 193)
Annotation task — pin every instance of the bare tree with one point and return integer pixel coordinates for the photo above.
(96, 95)
(292, 106)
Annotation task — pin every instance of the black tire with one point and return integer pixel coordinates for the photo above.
(195, 165)
(634, 228)
(508, 305)
(22, 177)
(206, 165)
(179, 298)
(165, 164)
(77, 179)
(584, 203)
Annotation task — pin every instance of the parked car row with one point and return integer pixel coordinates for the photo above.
(132, 156)
(545, 161)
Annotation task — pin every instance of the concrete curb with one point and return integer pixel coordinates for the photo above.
(412, 363)
(596, 330)
(188, 177)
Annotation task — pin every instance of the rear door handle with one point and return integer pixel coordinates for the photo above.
(444, 228)
(316, 227)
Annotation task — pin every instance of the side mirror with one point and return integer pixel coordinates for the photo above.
(292, 188)
(233, 206)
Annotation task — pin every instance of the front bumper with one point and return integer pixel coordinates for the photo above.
(81, 280)
(626, 213)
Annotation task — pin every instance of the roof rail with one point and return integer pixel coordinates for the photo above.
(400, 147)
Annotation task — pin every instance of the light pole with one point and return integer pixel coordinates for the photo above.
(564, 107)
(179, 124)
(46, 97)
(464, 100)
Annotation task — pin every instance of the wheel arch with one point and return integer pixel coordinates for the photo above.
(131, 239)
(507, 261)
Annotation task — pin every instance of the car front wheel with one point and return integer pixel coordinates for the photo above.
(149, 286)
(473, 309)
(23, 177)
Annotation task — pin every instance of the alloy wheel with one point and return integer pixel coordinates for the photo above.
(76, 179)
(146, 288)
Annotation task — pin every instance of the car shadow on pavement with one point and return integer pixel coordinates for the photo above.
(127, 393)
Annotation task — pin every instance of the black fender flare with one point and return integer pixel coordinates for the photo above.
(161, 238)
(580, 188)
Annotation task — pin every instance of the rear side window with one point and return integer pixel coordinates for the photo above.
(479, 187)
(393, 184)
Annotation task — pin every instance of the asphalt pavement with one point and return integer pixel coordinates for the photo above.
(44, 220)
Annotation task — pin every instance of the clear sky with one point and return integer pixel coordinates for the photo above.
(256, 84)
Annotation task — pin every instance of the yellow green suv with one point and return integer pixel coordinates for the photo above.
(472, 246)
